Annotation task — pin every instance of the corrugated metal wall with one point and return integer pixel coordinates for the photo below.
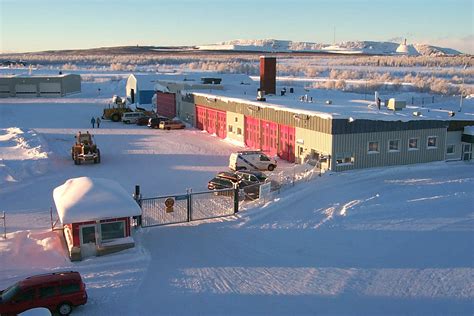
(454, 138)
(358, 145)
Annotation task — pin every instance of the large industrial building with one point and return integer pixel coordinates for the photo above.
(39, 86)
(337, 134)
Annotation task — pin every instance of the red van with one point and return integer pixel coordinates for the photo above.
(59, 292)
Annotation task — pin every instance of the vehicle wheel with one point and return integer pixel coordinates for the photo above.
(98, 156)
(64, 309)
(168, 128)
(72, 154)
(115, 117)
(271, 167)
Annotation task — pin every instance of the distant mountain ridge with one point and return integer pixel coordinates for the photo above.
(350, 47)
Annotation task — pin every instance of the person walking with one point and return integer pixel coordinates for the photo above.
(93, 122)
(97, 120)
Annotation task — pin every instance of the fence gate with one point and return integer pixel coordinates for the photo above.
(175, 209)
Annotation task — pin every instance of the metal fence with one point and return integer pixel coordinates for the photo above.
(173, 209)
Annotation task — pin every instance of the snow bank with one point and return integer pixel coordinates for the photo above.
(23, 154)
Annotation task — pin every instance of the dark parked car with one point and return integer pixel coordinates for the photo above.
(59, 292)
(154, 122)
(250, 189)
(143, 120)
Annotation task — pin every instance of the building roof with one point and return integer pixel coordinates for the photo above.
(27, 76)
(343, 105)
(87, 199)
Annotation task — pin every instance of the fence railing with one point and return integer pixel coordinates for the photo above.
(173, 209)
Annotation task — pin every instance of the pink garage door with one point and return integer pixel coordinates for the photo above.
(212, 121)
(211, 126)
(166, 104)
(287, 143)
(252, 132)
(200, 117)
(269, 143)
(221, 124)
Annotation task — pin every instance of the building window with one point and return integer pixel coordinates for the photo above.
(230, 128)
(112, 230)
(373, 147)
(236, 119)
(394, 145)
(432, 142)
(450, 149)
(239, 131)
(413, 144)
(343, 159)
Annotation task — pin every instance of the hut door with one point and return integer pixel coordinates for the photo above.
(88, 241)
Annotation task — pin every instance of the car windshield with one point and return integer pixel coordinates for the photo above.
(260, 176)
(9, 293)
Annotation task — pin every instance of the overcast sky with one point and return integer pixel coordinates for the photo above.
(35, 25)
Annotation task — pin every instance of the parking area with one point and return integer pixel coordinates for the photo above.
(161, 162)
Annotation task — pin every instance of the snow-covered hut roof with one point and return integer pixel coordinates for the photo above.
(88, 199)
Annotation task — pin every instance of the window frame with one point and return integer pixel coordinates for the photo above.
(343, 157)
(111, 223)
(373, 151)
(454, 149)
(417, 144)
(398, 146)
(428, 142)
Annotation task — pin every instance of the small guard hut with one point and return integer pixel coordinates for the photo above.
(96, 216)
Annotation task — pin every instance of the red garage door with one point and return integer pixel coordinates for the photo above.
(221, 124)
(287, 143)
(212, 121)
(211, 125)
(252, 132)
(269, 142)
(166, 104)
(200, 117)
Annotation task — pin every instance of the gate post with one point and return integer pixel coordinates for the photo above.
(236, 198)
(137, 196)
(189, 204)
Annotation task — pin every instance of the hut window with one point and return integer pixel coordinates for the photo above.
(112, 230)
(239, 131)
(230, 128)
(373, 147)
(432, 142)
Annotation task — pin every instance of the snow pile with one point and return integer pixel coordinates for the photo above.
(86, 199)
(45, 246)
(349, 47)
(22, 154)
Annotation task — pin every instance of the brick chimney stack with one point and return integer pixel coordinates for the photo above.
(268, 74)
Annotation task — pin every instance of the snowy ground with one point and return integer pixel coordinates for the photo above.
(373, 242)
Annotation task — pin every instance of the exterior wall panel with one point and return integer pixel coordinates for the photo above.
(235, 126)
(454, 138)
(357, 144)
